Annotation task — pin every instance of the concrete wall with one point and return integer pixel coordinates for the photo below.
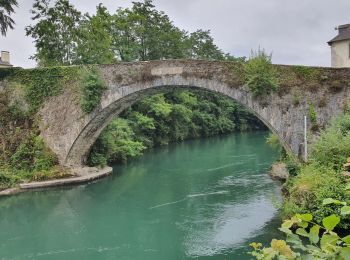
(340, 54)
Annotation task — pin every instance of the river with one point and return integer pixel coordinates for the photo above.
(200, 199)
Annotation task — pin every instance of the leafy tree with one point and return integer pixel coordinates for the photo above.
(63, 36)
(55, 32)
(95, 41)
(6, 9)
(143, 33)
(201, 46)
(116, 143)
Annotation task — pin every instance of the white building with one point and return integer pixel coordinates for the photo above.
(340, 47)
(5, 59)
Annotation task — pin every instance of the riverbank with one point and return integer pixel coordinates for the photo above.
(80, 175)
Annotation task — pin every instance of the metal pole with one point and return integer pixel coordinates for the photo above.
(305, 138)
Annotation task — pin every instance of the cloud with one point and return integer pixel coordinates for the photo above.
(295, 31)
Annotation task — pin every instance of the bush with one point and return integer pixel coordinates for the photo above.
(306, 192)
(260, 74)
(32, 155)
(7, 179)
(292, 164)
(92, 89)
(306, 239)
(333, 146)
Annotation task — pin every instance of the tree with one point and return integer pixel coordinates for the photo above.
(6, 9)
(55, 33)
(63, 36)
(95, 41)
(201, 46)
(143, 33)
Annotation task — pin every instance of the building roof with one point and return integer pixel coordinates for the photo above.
(343, 34)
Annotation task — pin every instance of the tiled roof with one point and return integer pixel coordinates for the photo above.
(344, 34)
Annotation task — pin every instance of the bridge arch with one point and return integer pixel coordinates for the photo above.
(116, 100)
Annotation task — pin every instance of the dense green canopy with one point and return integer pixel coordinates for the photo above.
(64, 36)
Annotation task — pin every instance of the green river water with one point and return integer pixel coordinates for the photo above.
(201, 199)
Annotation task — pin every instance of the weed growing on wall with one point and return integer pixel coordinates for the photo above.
(92, 87)
(313, 116)
(307, 73)
(260, 74)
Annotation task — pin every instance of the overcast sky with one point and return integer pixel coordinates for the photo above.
(295, 32)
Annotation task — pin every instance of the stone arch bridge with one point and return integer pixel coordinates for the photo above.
(70, 132)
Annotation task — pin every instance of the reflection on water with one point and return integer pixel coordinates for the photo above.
(199, 199)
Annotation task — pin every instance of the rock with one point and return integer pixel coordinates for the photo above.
(279, 171)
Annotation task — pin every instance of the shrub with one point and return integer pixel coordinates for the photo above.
(310, 187)
(260, 74)
(92, 89)
(307, 239)
(293, 165)
(32, 155)
(333, 146)
(7, 179)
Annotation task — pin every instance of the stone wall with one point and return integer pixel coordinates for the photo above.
(70, 132)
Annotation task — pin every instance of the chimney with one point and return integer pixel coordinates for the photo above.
(5, 56)
(343, 29)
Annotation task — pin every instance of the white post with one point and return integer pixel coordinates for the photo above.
(305, 138)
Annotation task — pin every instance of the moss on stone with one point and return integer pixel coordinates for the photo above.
(41, 83)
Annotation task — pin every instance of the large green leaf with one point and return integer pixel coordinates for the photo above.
(328, 241)
(287, 224)
(332, 201)
(302, 232)
(303, 224)
(294, 239)
(345, 210)
(314, 234)
(305, 217)
(331, 222)
(286, 230)
(345, 252)
(346, 239)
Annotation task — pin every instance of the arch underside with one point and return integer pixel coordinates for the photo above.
(116, 99)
